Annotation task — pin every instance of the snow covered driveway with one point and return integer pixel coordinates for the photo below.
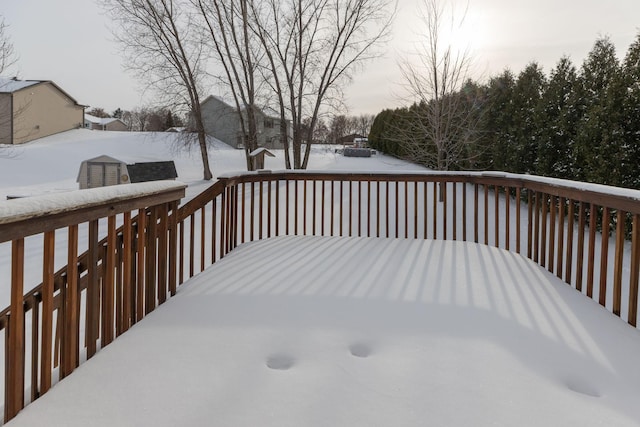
(337, 331)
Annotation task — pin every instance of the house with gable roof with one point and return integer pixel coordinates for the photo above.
(104, 123)
(32, 109)
(222, 121)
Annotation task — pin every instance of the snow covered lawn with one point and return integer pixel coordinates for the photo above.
(331, 331)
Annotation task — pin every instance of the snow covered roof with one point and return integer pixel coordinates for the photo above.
(260, 150)
(10, 85)
(99, 120)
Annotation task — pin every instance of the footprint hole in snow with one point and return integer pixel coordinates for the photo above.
(582, 386)
(280, 362)
(360, 350)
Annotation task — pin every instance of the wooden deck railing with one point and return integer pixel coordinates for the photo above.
(557, 224)
(100, 293)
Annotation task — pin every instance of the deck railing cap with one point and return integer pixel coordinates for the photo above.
(38, 206)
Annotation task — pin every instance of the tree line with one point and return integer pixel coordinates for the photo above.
(574, 123)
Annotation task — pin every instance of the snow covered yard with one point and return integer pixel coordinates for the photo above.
(326, 331)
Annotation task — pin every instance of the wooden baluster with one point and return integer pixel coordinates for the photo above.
(507, 217)
(593, 212)
(14, 377)
(173, 240)
(443, 188)
(536, 237)
(486, 214)
(242, 220)
(415, 209)
(580, 254)
(251, 212)
(518, 221)
(476, 212)
(604, 256)
(634, 274)
(425, 207)
(322, 209)
(35, 345)
(313, 207)
(261, 207)
(304, 206)
(269, 185)
(560, 237)
(214, 223)
(435, 211)
(163, 263)
(127, 266)
(203, 236)
(406, 209)
(141, 261)
(496, 215)
(192, 243)
(455, 213)
(570, 225)
(72, 302)
(552, 233)
(109, 283)
(47, 310)
(295, 209)
(530, 205)
(278, 206)
(152, 245)
(351, 208)
(464, 211)
(617, 272)
(543, 237)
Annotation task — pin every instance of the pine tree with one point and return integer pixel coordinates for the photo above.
(558, 117)
(497, 124)
(528, 92)
(630, 112)
(597, 138)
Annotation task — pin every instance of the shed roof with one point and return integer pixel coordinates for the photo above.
(152, 171)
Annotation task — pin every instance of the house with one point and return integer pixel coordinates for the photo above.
(222, 121)
(351, 139)
(104, 123)
(32, 109)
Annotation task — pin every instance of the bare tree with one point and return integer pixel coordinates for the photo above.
(313, 47)
(234, 45)
(7, 53)
(8, 112)
(164, 51)
(444, 118)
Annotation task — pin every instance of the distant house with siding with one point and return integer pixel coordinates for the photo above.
(32, 109)
(104, 123)
(222, 121)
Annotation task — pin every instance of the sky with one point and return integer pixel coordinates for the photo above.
(70, 43)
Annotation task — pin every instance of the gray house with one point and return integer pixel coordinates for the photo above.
(222, 121)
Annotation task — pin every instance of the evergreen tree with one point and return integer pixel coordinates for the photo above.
(528, 91)
(498, 121)
(558, 118)
(597, 138)
(630, 117)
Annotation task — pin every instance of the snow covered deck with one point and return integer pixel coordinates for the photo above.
(339, 331)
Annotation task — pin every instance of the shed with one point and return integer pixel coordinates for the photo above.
(257, 157)
(152, 171)
(102, 171)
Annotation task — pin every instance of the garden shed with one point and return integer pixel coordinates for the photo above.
(102, 171)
